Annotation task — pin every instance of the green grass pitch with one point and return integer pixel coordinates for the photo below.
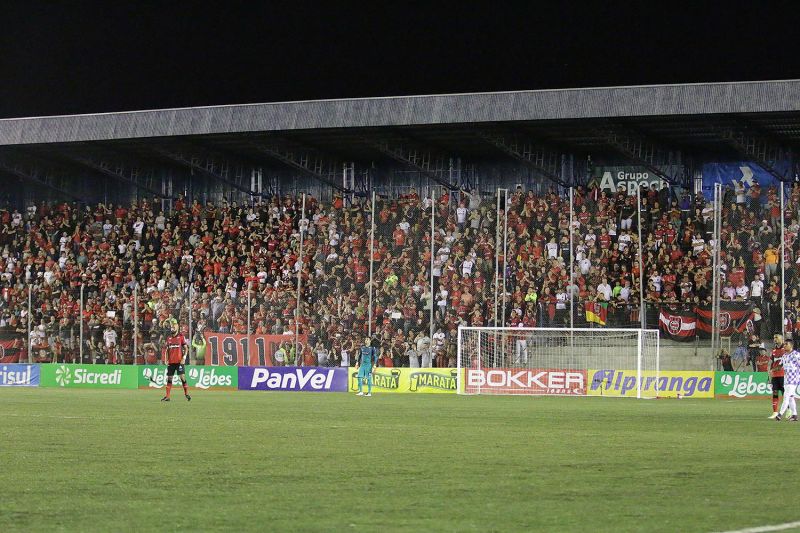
(121, 461)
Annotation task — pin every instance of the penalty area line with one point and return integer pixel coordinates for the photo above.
(766, 529)
(56, 416)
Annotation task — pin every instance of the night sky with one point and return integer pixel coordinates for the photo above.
(80, 57)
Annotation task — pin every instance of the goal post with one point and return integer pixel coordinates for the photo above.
(558, 361)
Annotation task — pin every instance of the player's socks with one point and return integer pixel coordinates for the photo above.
(369, 385)
(185, 389)
(169, 387)
(775, 405)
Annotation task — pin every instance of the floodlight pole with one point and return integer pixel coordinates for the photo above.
(371, 254)
(782, 255)
(642, 309)
(299, 286)
(135, 317)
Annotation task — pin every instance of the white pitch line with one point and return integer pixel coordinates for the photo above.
(765, 529)
(54, 416)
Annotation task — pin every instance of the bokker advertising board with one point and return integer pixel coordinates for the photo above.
(228, 349)
(665, 384)
(198, 377)
(293, 378)
(533, 381)
(409, 380)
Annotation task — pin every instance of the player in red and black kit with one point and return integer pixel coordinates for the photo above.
(776, 372)
(175, 353)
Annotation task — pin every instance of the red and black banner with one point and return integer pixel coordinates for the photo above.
(12, 346)
(677, 324)
(259, 350)
(734, 317)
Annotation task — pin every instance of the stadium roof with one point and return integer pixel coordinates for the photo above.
(769, 99)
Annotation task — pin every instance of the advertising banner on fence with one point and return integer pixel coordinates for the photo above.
(668, 384)
(752, 385)
(12, 346)
(89, 376)
(198, 377)
(227, 349)
(409, 380)
(744, 172)
(19, 375)
(293, 378)
(525, 381)
(629, 178)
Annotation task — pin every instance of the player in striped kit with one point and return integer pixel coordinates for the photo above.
(791, 379)
(776, 373)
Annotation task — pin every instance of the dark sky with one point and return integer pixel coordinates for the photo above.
(62, 57)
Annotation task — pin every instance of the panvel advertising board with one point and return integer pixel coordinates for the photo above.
(291, 378)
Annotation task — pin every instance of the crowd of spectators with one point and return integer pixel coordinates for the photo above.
(109, 252)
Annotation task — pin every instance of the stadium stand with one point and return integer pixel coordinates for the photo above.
(109, 249)
(110, 217)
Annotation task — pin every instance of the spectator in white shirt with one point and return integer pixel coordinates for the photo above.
(757, 287)
(742, 291)
(552, 249)
(604, 290)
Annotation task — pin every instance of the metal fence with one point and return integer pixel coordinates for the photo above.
(300, 282)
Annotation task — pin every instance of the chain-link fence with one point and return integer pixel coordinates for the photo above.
(293, 281)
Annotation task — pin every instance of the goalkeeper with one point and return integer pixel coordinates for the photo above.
(367, 360)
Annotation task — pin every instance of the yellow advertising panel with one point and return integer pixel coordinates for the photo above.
(666, 384)
(413, 380)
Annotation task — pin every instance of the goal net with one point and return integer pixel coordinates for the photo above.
(555, 361)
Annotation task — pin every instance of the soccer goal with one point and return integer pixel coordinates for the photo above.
(555, 361)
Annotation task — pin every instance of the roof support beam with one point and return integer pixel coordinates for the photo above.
(420, 160)
(194, 165)
(118, 173)
(317, 167)
(543, 160)
(641, 151)
(755, 146)
(45, 181)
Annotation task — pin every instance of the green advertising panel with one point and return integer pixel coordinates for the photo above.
(198, 377)
(88, 376)
(742, 384)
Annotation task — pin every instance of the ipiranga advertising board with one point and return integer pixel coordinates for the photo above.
(664, 384)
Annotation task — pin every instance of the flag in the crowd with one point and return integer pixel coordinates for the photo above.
(676, 324)
(733, 318)
(596, 312)
(12, 346)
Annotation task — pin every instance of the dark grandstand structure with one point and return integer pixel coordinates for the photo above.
(222, 191)
(537, 138)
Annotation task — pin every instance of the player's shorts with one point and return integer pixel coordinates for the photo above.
(364, 372)
(777, 384)
(173, 369)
